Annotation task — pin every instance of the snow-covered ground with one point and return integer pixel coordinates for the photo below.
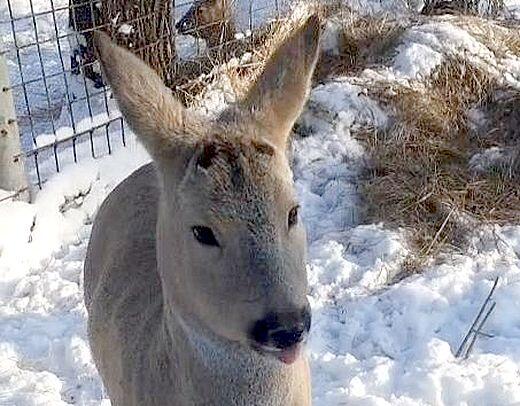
(371, 344)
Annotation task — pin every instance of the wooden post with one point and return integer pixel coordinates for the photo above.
(12, 171)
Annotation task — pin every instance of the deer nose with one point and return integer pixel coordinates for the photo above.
(282, 330)
(183, 25)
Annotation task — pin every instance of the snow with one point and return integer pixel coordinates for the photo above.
(414, 60)
(44, 354)
(372, 343)
(125, 29)
(425, 46)
(513, 8)
(65, 132)
(397, 347)
(492, 159)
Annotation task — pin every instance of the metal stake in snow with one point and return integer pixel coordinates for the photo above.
(476, 328)
(12, 172)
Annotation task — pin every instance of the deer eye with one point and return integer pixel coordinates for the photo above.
(205, 236)
(293, 216)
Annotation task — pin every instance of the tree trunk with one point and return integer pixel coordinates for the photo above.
(145, 27)
(142, 26)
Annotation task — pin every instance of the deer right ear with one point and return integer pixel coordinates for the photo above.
(158, 119)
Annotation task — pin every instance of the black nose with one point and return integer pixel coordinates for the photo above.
(282, 330)
(180, 26)
(183, 25)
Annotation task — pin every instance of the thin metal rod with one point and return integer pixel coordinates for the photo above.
(53, 75)
(477, 332)
(37, 167)
(63, 71)
(61, 141)
(64, 8)
(72, 34)
(123, 136)
(20, 68)
(471, 329)
(42, 68)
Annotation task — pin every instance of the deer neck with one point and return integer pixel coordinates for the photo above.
(226, 372)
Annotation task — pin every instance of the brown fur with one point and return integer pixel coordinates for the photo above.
(210, 20)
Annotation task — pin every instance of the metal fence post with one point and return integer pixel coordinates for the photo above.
(12, 171)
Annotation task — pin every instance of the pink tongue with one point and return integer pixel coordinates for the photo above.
(290, 355)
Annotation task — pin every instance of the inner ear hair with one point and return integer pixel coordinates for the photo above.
(277, 97)
(207, 155)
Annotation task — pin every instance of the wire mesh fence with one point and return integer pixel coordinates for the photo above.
(64, 110)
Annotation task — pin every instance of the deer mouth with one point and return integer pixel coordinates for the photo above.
(286, 355)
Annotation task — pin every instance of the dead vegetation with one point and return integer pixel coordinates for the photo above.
(362, 41)
(500, 37)
(489, 8)
(150, 30)
(192, 77)
(421, 177)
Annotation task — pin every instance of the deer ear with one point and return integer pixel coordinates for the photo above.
(158, 119)
(278, 96)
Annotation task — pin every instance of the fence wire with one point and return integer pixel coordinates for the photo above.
(64, 110)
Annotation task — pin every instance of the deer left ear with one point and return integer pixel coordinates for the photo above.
(278, 96)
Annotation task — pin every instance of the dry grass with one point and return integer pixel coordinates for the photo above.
(489, 8)
(192, 77)
(363, 41)
(500, 37)
(421, 179)
(366, 40)
(151, 37)
(195, 77)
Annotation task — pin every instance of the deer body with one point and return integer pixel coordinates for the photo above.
(182, 313)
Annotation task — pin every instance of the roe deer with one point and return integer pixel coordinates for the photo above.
(195, 278)
(83, 17)
(210, 20)
(218, 21)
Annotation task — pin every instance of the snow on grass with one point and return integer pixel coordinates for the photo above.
(328, 163)
(416, 60)
(426, 46)
(397, 347)
(512, 9)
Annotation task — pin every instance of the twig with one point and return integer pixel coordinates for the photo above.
(437, 235)
(14, 195)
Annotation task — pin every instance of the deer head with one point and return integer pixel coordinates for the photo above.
(210, 20)
(230, 242)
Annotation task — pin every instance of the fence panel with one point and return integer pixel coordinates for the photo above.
(64, 111)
